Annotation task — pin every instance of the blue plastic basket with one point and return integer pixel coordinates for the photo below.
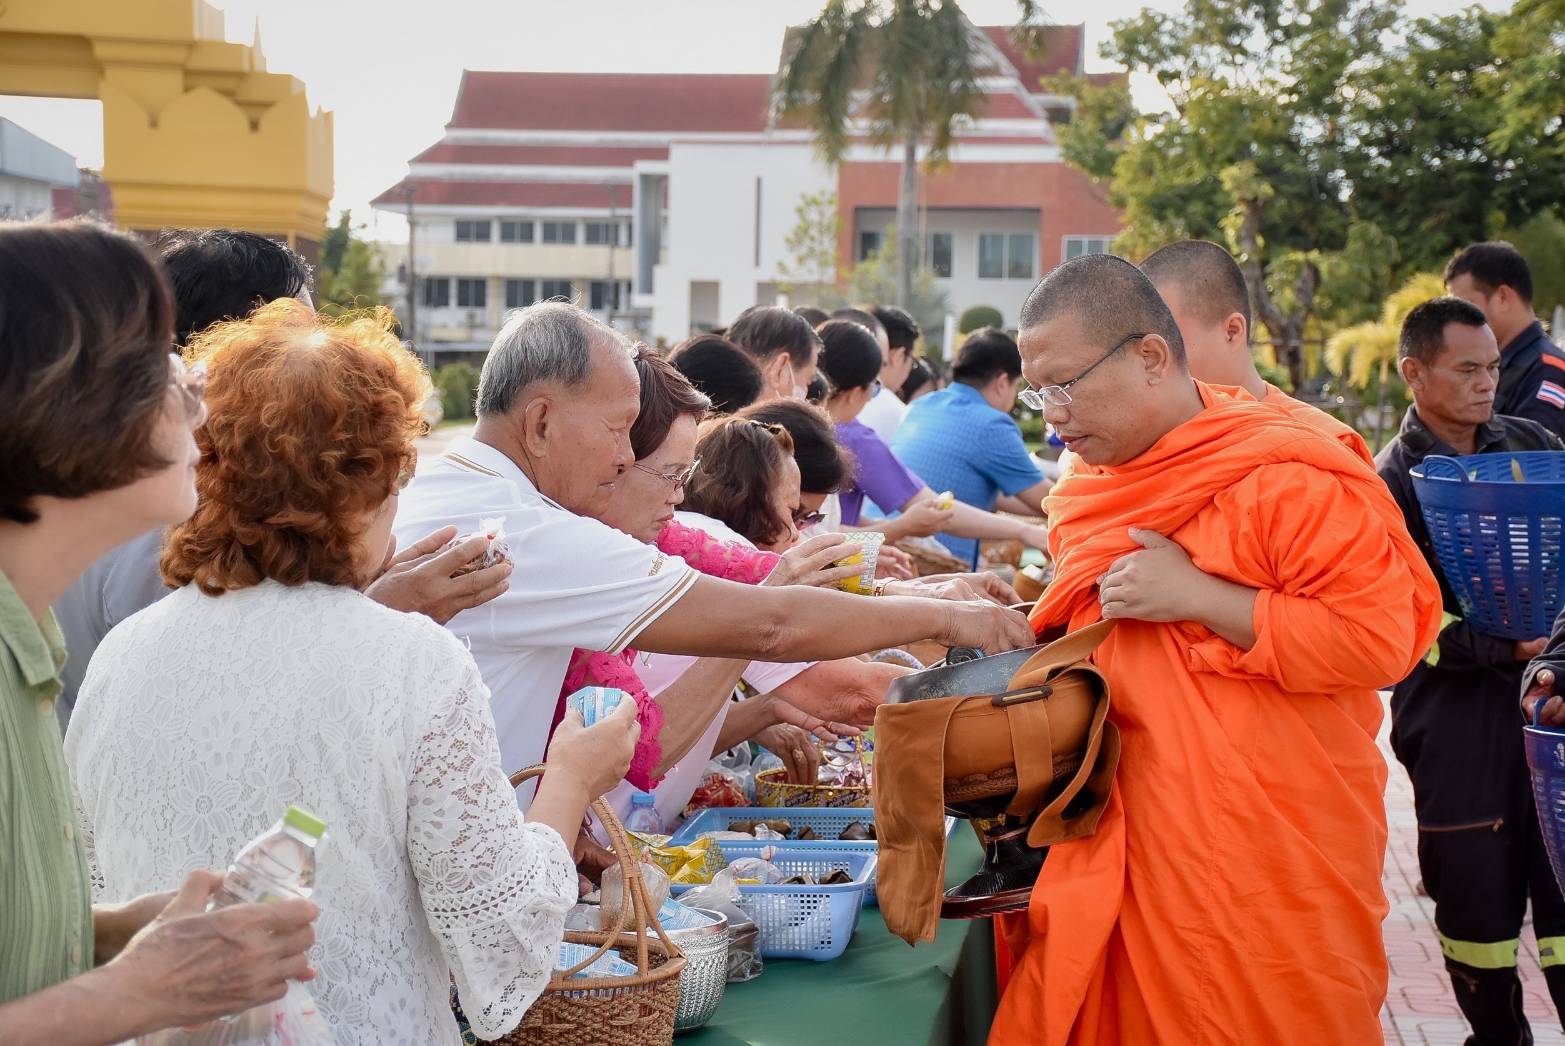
(1498, 540)
(827, 822)
(1546, 759)
(806, 922)
(825, 857)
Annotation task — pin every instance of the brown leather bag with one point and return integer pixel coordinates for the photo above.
(1039, 756)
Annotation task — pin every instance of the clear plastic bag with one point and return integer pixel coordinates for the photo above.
(613, 889)
(292, 1020)
(744, 939)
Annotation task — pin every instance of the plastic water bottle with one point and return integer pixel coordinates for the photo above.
(274, 866)
(644, 818)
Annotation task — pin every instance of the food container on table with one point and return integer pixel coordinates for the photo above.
(705, 976)
(807, 922)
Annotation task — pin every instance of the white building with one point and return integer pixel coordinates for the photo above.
(663, 202)
(30, 170)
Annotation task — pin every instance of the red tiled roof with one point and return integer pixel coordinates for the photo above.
(1004, 107)
(549, 155)
(429, 192)
(1062, 46)
(612, 101)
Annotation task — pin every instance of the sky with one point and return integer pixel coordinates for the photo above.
(389, 69)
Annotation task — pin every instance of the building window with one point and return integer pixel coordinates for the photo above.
(937, 249)
(869, 243)
(437, 292)
(472, 294)
(602, 232)
(472, 232)
(520, 293)
(555, 289)
(601, 295)
(559, 232)
(1076, 246)
(516, 232)
(1019, 256)
(991, 255)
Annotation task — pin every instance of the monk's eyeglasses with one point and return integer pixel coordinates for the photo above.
(1059, 395)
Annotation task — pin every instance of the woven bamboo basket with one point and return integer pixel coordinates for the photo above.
(609, 1011)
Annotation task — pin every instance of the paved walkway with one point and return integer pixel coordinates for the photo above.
(1420, 1009)
(435, 444)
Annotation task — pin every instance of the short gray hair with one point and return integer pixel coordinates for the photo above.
(550, 341)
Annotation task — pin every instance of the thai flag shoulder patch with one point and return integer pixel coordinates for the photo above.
(1552, 394)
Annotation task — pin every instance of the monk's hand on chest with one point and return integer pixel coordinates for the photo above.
(1155, 583)
(1159, 582)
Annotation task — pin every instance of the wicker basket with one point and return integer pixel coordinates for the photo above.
(609, 1011)
(772, 788)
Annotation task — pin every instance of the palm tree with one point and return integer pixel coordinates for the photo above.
(904, 71)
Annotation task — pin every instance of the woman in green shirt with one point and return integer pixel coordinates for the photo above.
(96, 448)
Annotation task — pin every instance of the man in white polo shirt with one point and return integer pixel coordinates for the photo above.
(556, 401)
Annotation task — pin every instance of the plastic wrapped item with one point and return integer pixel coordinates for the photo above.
(744, 942)
(613, 887)
(693, 862)
(674, 915)
(595, 702)
(606, 965)
(756, 871)
(499, 550)
(717, 788)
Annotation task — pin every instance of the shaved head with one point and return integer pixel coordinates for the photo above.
(1106, 295)
(1106, 356)
(1204, 276)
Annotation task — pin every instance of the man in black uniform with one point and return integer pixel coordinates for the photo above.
(1495, 277)
(1454, 722)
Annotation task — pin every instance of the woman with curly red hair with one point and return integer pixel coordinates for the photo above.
(270, 679)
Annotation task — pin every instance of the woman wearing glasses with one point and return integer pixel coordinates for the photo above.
(683, 701)
(850, 362)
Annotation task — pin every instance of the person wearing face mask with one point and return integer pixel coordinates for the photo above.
(269, 678)
(783, 345)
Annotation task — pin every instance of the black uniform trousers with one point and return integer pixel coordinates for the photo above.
(1457, 728)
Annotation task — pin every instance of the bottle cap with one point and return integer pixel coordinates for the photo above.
(304, 821)
(643, 799)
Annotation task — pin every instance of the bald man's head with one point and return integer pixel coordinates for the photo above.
(1206, 292)
(1105, 353)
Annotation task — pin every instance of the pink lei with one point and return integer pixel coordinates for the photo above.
(728, 560)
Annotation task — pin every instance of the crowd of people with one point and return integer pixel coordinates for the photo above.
(226, 578)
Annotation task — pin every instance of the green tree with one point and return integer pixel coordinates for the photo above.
(915, 62)
(1529, 78)
(811, 267)
(1335, 147)
(350, 271)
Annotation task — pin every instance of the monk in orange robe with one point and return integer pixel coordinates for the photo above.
(1205, 290)
(1266, 586)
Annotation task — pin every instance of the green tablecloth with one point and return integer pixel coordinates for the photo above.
(879, 991)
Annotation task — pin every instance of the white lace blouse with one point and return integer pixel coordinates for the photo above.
(201, 718)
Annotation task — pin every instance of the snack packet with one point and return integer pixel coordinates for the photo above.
(869, 542)
(595, 702)
(499, 551)
(945, 500)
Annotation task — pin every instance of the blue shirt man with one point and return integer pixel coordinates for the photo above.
(962, 438)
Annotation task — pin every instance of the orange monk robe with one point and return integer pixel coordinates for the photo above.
(1232, 891)
(1318, 419)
